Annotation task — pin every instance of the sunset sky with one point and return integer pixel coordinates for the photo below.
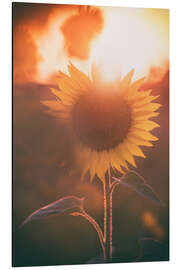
(113, 39)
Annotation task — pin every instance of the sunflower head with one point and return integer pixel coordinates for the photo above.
(110, 124)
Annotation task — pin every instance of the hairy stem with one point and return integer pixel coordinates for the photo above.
(113, 185)
(95, 225)
(108, 217)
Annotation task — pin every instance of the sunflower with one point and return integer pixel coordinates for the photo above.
(109, 124)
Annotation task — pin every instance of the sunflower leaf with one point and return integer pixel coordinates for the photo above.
(133, 179)
(137, 182)
(62, 205)
(147, 191)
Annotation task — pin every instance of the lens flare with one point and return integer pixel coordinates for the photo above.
(130, 40)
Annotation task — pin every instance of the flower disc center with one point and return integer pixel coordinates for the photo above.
(101, 120)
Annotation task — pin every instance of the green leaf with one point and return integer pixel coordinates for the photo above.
(137, 182)
(57, 207)
(147, 191)
(133, 179)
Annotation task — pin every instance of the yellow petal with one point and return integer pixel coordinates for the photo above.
(101, 176)
(142, 94)
(102, 165)
(133, 90)
(93, 164)
(134, 149)
(116, 156)
(66, 87)
(55, 105)
(148, 107)
(83, 157)
(141, 100)
(79, 77)
(67, 84)
(66, 99)
(135, 85)
(126, 155)
(145, 125)
(55, 92)
(139, 141)
(143, 115)
(83, 172)
(127, 79)
(104, 161)
(145, 135)
(118, 167)
(64, 77)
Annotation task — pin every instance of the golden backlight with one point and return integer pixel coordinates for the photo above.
(130, 38)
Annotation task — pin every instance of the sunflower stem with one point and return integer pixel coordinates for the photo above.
(96, 226)
(113, 185)
(108, 217)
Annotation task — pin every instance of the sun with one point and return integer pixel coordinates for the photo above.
(110, 123)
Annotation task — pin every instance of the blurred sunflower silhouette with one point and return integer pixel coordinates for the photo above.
(109, 125)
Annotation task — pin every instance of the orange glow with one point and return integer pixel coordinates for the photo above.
(151, 222)
(25, 61)
(111, 41)
(149, 219)
(79, 30)
(50, 45)
(68, 34)
(131, 39)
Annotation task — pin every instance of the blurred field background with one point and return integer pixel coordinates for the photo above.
(43, 159)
